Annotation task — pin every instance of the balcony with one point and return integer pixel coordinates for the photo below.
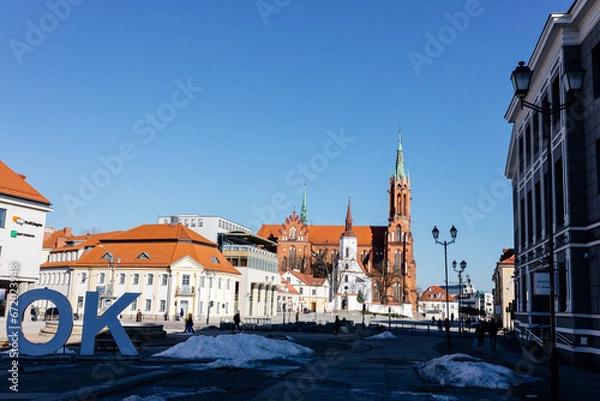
(184, 290)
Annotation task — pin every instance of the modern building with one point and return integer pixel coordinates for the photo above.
(504, 287)
(208, 226)
(22, 220)
(384, 253)
(174, 269)
(573, 163)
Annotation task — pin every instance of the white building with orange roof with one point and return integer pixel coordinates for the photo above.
(313, 292)
(175, 270)
(433, 303)
(22, 219)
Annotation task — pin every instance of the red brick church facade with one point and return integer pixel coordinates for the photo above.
(385, 253)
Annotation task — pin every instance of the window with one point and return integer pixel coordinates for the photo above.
(136, 279)
(101, 278)
(220, 281)
(596, 70)
(80, 302)
(347, 251)
(143, 255)
(185, 279)
(398, 233)
(83, 277)
(228, 284)
(293, 234)
(162, 306)
(202, 281)
(2, 217)
(165, 279)
(598, 165)
(148, 305)
(122, 278)
(555, 100)
(150, 279)
(301, 291)
(134, 305)
(314, 291)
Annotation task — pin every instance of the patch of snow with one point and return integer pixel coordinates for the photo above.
(386, 335)
(240, 347)
(461, 370)
(165, 394)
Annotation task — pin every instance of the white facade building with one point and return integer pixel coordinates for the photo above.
(208, 226)
(22, 219)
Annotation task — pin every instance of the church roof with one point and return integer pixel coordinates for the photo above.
(330, 235)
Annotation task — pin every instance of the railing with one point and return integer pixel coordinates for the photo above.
(184, 290)
(564, 339)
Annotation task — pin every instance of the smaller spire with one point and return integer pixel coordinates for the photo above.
(303, 210)
(348, 231)
(399, 158)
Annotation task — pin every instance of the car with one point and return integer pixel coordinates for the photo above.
(51, 314)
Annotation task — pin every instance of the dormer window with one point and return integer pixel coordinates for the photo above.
(214, 259)
(108, 256)
(143, 255)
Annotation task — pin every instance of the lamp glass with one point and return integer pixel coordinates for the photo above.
(573, 78)
(453, 232)
(454, 264)
(521, 79)
(435, 232)
(463, 265)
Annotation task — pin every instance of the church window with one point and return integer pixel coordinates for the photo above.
(293, 234)
(292, 257)
(284, 264)
(345, 279)
(398, 233)
(397, 261)
(346, 266)
(347, 252)
(404, 206)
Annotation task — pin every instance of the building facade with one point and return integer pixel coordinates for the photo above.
(504, 287)
(567, 177)
(208, 226)
(385, 253)
(22, 219)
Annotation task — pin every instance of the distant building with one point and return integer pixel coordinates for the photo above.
(313, 293)
(432, 303)
(22, 220)
(504, 287)
(208, 226)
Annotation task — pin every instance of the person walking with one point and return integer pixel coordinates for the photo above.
(336, 325)
(480, 332)
(236, 322)
(493, 333)
(439, 324)
(189, 323)
(138, 316)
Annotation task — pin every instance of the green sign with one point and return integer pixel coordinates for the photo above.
(13, 233)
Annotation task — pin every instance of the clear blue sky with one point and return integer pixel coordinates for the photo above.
(268, 87)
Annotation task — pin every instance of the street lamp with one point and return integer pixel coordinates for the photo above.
(463, 266)
(572, 80)
(436, 233)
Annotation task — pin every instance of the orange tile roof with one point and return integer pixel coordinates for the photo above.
(57, 238)
(322, 235)
(431, 292)
(162, 250)
(14, 184)
(86, 240)
(286, 287)
(162, 232)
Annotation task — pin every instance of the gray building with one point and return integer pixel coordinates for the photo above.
(570, 173)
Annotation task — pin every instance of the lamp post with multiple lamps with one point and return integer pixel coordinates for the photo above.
(460, 270)
(572, 80)
(436, 233)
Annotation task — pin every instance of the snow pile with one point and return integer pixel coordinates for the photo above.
(239, 347)
(386, 335)
(461, 370)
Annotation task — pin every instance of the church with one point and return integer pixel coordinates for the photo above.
(368, 266)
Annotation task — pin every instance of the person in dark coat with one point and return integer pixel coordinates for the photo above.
(493, 333)
(138, 317)
(480, 332)
(189, 323)
(236, 322)
(336, 325)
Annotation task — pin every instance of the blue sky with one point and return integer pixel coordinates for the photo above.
(119, 112)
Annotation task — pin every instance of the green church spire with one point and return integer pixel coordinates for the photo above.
(303, 211)
(399, 159)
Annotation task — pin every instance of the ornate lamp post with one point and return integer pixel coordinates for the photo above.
(572, 80)
(436, 233)
(463, 266)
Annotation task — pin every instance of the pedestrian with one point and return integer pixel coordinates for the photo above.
(493, 333)
(236, 322)
(138, 317)
(189, 323)
(336, 325)
(439, 324)
(447, 325)
(480, 332)
(33, 312)
(181, 313)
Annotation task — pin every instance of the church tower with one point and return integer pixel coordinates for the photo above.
(401, 266)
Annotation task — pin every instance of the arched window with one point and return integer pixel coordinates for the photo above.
(404, 211)
(293, 234)
(292, 257)
(397, 261)
(284, 264)
(347, 252)
(398, 233)
(399, 206)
